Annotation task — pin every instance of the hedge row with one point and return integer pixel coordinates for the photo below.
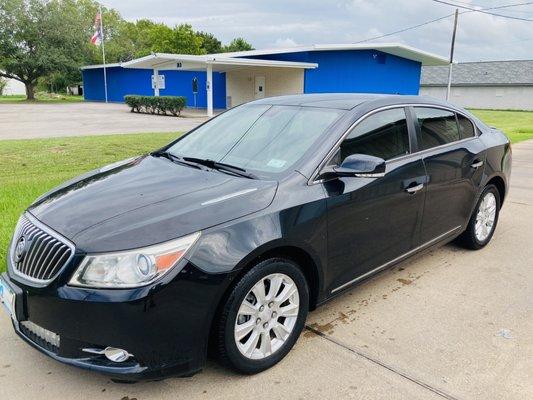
(156, 104)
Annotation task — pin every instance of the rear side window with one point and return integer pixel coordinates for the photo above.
(437, 127)
(466, 129)
(383, 134)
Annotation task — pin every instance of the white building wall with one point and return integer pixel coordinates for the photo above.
(488, 97)
(240, 83)
(14, 87)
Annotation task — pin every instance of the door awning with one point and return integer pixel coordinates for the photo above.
(186, 62)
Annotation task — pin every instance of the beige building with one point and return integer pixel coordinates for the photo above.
(246, 78)
(502, 85)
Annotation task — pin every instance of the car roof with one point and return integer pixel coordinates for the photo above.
(346, 101)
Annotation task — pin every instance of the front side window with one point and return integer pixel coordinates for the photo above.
(262, 138)
(437, 127)
(383, 134)
(466, 128)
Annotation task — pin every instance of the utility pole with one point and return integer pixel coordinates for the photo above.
(448, 89)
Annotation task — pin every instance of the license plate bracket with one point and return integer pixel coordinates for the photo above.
(11, 298)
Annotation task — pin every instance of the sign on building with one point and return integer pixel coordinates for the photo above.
(160, 82)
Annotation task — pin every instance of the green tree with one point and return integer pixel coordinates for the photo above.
(186, 41)
(210, 44)
(238, 44)
(38, 38)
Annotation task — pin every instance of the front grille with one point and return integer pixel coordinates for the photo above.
(37, 252)
(43, 337)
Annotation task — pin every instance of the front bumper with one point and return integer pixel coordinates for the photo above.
(165, 326)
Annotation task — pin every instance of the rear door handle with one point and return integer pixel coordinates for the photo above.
(476, 164)
(414, 189)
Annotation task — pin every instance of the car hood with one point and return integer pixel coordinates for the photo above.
(147, 200)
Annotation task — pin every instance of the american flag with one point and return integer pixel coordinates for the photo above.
(96, 39)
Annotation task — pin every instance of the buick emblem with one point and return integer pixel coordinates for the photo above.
(20, 249)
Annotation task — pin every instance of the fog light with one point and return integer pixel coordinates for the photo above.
(116, 355)
(111, 353)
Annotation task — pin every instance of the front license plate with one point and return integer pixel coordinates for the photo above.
(7, 297)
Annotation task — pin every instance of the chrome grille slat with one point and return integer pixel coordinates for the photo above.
(42, 251)
(47, 252)
(49, 258)
(59, 261)
(31, 252)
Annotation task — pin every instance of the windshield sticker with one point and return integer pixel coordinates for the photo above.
(275, 163)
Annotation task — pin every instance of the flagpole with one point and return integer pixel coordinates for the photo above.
(103, 49)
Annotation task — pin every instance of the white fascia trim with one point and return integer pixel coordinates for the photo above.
(260, 63)
(96, 66)
(409, 52)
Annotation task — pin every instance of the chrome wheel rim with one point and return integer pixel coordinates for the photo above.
(486, 215)
(267, 316)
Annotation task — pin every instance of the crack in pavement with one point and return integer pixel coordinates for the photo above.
(382, 364)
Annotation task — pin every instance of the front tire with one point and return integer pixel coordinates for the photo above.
(483, 221)
(263, 316)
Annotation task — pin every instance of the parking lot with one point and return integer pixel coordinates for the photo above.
(42, 120)
(452, 324)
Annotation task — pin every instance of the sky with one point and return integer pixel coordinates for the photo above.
(278, 23)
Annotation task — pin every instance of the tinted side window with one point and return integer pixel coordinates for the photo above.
(437, 127)
(383, 134)
(466, 128)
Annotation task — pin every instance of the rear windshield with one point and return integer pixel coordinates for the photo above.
(258, 137)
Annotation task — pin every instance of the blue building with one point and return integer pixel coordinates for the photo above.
(228, 79)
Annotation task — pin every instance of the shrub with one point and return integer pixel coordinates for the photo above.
(156, 104)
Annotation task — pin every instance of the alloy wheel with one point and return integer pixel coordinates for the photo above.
(486, 216)
(266, 316)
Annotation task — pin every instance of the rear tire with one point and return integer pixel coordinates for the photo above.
(484, 219)
(263, 316)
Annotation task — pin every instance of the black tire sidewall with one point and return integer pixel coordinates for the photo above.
(232, 355)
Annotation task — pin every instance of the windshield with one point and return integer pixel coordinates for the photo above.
(258, 137)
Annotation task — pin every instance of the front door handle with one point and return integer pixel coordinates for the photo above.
(476, 164)
(414, 189)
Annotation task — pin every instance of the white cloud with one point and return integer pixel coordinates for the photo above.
(283, 23)
(287, 42)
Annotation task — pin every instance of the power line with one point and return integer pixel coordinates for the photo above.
(483, 10)
(405, 29)
(441, 18)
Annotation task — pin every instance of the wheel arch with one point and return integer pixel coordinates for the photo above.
(310, 266)
(303, 257)
(499, 182)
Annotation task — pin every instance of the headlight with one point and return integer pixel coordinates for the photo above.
(133, 268)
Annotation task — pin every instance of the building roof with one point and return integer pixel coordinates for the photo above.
(486, 73)
(223, 61)
(396, 49)
(165, 61)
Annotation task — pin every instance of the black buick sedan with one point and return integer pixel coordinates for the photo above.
(228, 236)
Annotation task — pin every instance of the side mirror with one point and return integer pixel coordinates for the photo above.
(356, 165)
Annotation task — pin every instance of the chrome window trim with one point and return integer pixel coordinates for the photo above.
(50, 232)
(313, 181)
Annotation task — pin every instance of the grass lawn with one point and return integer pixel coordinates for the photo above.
(517, 125)
(28, 168)
(42, 98)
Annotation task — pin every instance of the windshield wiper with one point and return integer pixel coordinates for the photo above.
(174, 158)
(222, 167)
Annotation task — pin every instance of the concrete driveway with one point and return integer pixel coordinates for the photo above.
(450, 324)
(41, 120)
